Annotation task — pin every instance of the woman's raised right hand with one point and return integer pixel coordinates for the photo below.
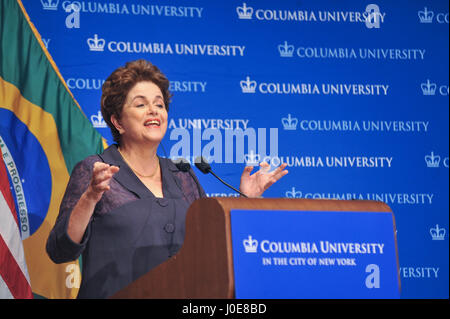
(101, 177)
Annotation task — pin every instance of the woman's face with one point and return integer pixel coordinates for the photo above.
(144, 115)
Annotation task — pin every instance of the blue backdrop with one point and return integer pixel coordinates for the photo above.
(352, 95)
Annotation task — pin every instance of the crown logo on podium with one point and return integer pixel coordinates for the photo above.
(425, 16)
(293, 193)
(50, 4)
(252, 159)
(250, 244)
(437, 233)
(432, 160)
(286, 50)
(96, 44)
(248, 86)
(428, 88)
(289, 123)
(98, 121)
(244, 12)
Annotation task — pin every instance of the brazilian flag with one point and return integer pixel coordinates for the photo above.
(43, 134)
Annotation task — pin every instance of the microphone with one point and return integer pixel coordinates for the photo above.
(182, 164)
(205, 168)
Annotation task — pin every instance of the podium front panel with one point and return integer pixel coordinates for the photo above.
(314, 255)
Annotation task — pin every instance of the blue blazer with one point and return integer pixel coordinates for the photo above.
(131, 230)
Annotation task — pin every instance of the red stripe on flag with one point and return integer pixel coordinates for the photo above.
(12, 274)
(10, 270)
(4, 189)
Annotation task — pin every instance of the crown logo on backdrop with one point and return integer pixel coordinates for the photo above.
(248, 86)
(244, 12)
(437, 233)
(425, 16)
(286, 50)
(293, 193)
(50, 4)
(252, 159)
(96, 44)
(289, 123)
(432, 160)
(98, 121)
(428, 88)
(250, 244)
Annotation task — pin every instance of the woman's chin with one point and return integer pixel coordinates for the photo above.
(154, 138)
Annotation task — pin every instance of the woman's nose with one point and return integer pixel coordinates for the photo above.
(152, 109)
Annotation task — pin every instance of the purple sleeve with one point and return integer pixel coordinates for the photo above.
(190, 186)
(60, 246)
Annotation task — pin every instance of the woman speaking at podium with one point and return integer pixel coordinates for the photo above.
(124, 210)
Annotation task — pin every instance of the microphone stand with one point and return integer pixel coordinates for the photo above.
(242, 194)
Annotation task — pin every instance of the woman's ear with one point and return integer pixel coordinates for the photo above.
(117, 124)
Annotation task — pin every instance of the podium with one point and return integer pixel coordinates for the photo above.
(217, 262)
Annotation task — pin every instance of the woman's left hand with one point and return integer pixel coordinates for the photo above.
(255, 185)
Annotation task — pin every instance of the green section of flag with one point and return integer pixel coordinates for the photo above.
(24, 64)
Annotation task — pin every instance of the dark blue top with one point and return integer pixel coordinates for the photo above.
(131, 230)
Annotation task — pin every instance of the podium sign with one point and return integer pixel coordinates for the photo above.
(314, 255)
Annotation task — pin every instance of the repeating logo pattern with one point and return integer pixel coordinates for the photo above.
(428, 17)
(437, 233)
(372, 17)
(355, 112)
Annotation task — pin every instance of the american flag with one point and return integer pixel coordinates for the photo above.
(14, 279)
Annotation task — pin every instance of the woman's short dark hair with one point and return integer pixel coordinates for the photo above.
(121, 81)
